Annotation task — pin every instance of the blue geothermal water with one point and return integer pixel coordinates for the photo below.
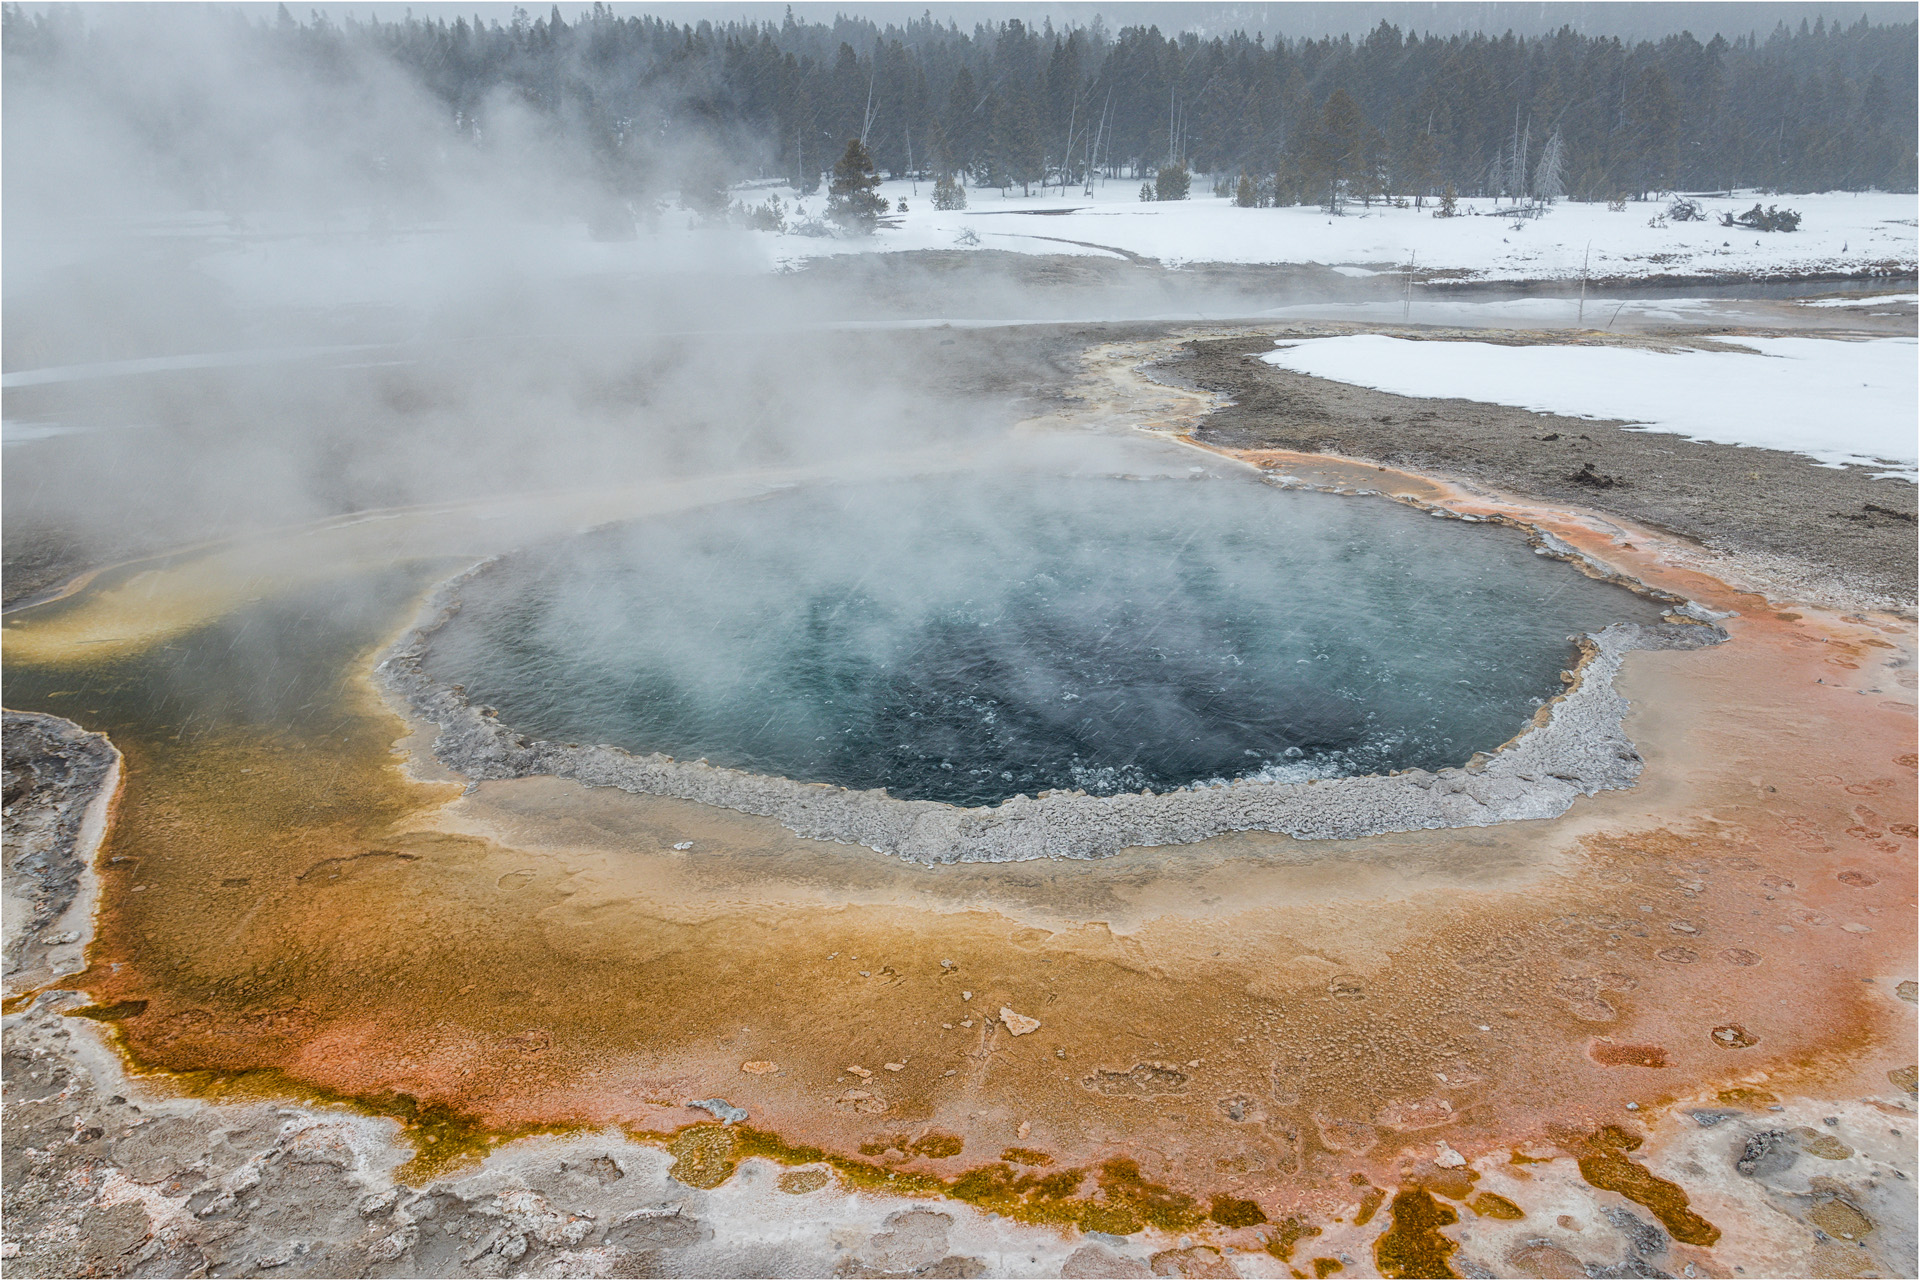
(966, 639)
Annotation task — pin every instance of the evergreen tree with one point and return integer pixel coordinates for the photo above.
(1420, 168)
(1245, 193)
(853, 198)
(1019, 152)
(1172, 182)
(963, 122)
(1830, 107)
(1286, 183)
(948, 193)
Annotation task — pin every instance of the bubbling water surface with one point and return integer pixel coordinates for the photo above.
(966, 639)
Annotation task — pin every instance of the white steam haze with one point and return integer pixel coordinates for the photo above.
(246, 291)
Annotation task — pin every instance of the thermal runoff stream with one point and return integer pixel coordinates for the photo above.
(967, 640)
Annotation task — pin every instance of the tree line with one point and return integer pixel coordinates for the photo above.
(1391, 114)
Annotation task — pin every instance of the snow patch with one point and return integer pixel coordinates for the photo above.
(1875, 300)
(1836, 402)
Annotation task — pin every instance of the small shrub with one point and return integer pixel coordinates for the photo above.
(771, 216)
(1772, 218)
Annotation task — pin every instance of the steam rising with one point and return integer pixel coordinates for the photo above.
(966, 640)
(243, 292)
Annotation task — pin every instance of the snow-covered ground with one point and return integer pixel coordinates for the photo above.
(1834, 401)
(1876, 300)
(1840, 232)
(275, 261)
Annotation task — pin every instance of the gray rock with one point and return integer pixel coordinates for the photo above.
(913, 1239)
(1767, 1153)
(727, 1113)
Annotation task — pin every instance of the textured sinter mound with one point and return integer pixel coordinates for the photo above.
(966, 640)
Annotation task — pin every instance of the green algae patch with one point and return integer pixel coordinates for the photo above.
(1491, 1205)
(1122, 1184)
(111, 1012)
(1025, 1156)
(1414, 1245)
(1371, 1199)
(445, 1140)
(703, 1156)
(801, 1182)
(1113, 1219)
(1125, 1202)
(1233, 1212)
(1289, 1233)
(864, 1175)
(1604, 1165)
(937, 1145)
(1030, 1198)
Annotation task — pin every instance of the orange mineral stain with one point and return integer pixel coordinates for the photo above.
(290, 907)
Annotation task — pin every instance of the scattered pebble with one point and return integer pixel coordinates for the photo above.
(1018, 1024)
(757, 1067)
(683, 845)
(863, 1073)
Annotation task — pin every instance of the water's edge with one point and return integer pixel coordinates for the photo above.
(1576, 746)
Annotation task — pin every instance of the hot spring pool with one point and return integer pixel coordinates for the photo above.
(966, 639)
